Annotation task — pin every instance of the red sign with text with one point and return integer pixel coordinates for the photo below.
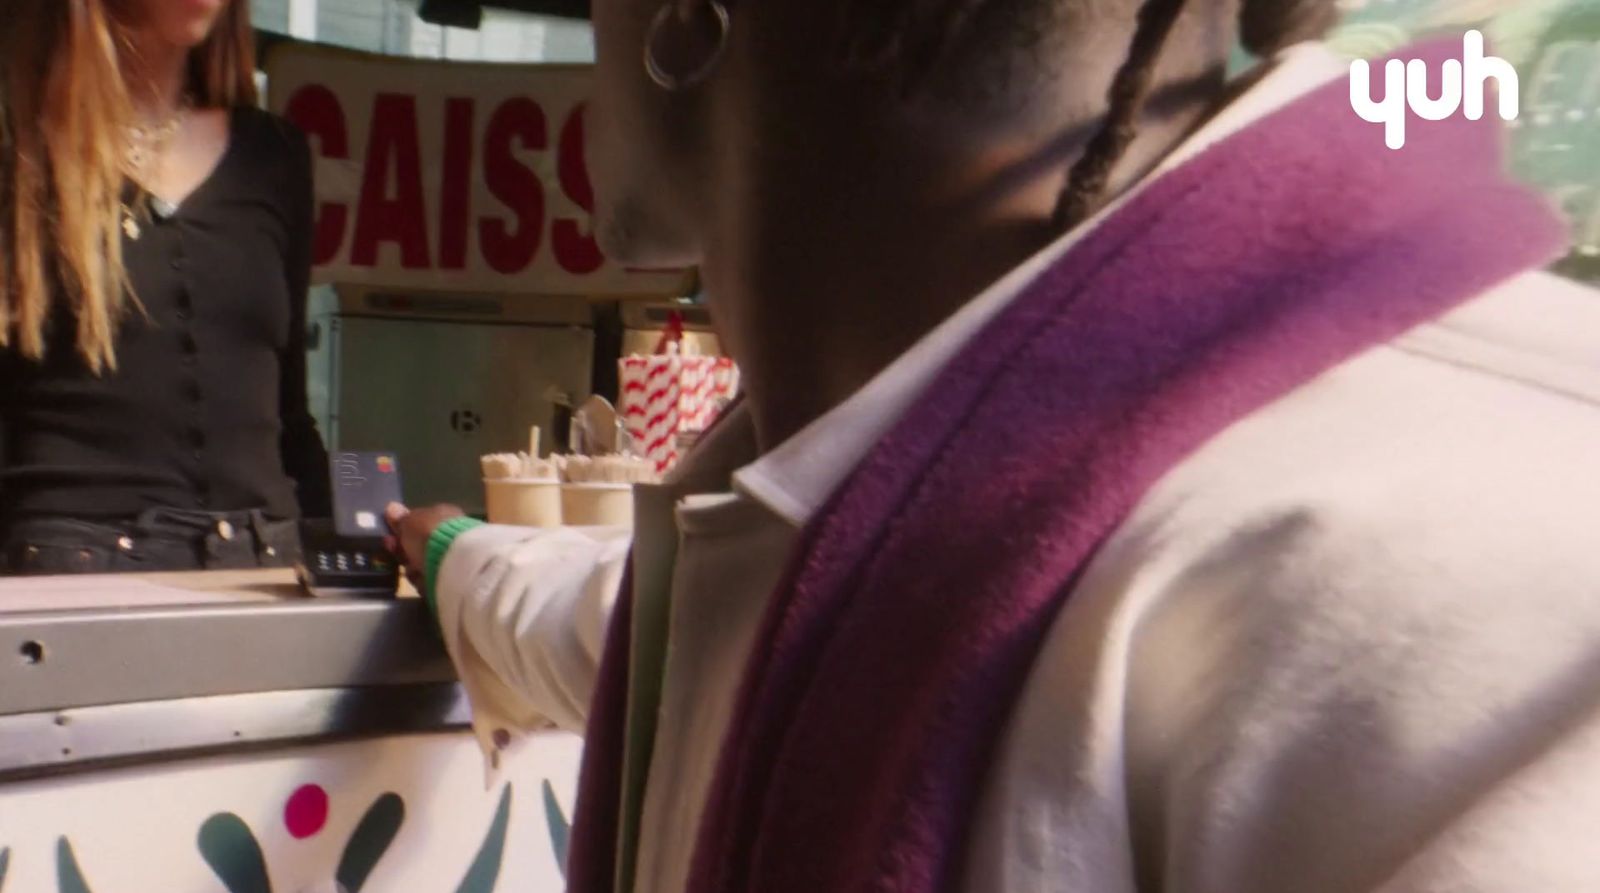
(447, 175)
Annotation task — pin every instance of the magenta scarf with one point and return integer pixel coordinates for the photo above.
(896, 647)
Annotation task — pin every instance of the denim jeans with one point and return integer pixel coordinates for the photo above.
(157, 540)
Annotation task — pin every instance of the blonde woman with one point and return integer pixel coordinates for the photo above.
(154, 256)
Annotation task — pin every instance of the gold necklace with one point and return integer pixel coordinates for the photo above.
(146, 144)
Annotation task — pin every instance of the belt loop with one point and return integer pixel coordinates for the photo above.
(210, 544)
(265, 550)
(144, 521)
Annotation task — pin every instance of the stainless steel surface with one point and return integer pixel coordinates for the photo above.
(653, 316)
(644, 322)
(643, 341)
(595, 428)
(52, 661)
(441, 395)
(64, 741)
(541, 310)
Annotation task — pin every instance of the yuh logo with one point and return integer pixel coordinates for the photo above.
(1463, 83)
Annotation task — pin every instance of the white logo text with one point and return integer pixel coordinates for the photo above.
(1464, 83)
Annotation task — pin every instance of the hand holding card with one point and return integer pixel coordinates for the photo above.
(347, 556)
(364, 484)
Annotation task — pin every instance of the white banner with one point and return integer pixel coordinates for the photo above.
(450, 176)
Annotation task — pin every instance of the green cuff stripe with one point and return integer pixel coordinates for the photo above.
(438, 544)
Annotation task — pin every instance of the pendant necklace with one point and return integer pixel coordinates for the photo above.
(147, 144)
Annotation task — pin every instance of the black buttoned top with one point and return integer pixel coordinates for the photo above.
(207, 408)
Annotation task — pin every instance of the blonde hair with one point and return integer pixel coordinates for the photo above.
(64, 111)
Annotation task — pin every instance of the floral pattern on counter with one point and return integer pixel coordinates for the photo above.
(235, 856)
(69, 877)
(560, 829)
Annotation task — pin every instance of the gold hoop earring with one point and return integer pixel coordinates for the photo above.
(671, 81)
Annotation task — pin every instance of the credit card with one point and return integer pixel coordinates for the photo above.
(363, 486)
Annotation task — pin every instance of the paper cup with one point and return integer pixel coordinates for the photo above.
(597, 505)
(522, 502)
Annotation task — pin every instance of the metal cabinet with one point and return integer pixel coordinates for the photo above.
(442, 380)
(643, 324)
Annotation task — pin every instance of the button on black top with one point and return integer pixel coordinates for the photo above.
(234, 318)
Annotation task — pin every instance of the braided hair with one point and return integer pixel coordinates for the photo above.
(1086, 184)
(1265, 26)
(916, 35)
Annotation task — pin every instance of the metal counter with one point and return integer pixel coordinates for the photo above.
(226, 720)
(135, 668)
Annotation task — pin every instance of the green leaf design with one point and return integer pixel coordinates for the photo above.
(69, 877)
(371, 839)
(560, 828)
(485, 869)
(5, 861)
(233, 854)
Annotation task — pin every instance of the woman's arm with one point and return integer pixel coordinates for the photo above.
(304, 456)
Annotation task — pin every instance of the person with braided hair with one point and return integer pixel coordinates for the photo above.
(1144, 481)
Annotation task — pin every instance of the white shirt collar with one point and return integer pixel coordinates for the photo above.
(796, 477)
